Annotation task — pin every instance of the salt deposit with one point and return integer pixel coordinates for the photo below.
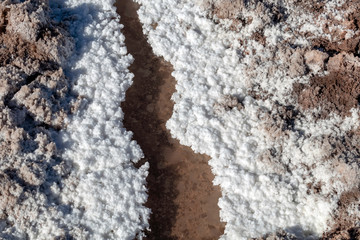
(67, 164)
(272, 158)
(105, 189)
(266, 88)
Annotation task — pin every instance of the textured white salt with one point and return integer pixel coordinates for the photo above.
(210, 63)
(105, 190)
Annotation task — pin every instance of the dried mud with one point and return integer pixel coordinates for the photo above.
(35, 100)
(337, 92)
(182, 197)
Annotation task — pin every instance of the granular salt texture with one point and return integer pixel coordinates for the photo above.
(104, 189)
(279, 165)
(58, 182)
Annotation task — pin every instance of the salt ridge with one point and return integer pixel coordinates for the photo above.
(106, 191)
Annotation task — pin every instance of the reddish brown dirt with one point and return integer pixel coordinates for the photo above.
(345, 228)
(339, 41)
(182, 197)
(337, 92)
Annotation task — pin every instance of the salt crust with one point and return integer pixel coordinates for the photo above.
(210, 63)
(85, 186)
(105, 190)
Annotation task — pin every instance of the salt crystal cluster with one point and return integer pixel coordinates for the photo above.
(282, 156)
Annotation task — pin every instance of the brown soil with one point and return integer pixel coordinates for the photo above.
(226, 8)
(182, 197)
(279, 235)
(346, 226)
(232, 10)
(337, 92)
(339, 42)
(34, 101)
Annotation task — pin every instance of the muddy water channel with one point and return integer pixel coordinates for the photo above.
(181, 195)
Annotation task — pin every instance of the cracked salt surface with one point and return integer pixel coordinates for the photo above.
(270, 161)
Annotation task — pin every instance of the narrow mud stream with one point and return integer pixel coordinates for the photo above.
(181, 195)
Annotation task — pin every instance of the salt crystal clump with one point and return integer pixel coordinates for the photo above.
(315, 60)
(227, 103)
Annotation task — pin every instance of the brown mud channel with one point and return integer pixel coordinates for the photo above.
(182, 197)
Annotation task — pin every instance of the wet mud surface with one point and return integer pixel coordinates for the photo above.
(182, 197)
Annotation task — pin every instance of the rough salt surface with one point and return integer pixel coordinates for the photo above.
(66, 161)
(273, 162)
(105, 189)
